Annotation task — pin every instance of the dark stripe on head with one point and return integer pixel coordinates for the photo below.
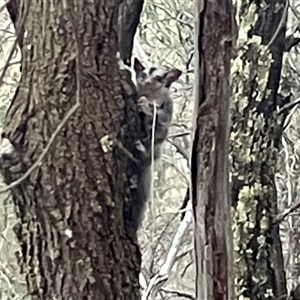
(152, 70)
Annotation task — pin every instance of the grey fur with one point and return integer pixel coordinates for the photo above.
(152, 84)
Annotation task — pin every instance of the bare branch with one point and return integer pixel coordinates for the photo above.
(288, 211)
(166, 268)
(180, 293)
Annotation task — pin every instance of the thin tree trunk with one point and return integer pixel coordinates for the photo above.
(70, 208)
(210, 150)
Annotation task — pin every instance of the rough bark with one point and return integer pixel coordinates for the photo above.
(70, 208)
(256, 132)
(129, 18)
(210, 151)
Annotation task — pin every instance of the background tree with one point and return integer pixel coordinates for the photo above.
(209, 160)
(260, 106)
(66, 113)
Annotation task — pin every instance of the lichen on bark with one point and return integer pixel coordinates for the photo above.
(256, 130)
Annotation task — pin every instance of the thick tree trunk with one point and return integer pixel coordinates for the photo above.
(256, 132)
(210, 151)
(71, 228)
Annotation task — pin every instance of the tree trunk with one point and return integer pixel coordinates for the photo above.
(256, 132)
(65, 115)
(210, 150)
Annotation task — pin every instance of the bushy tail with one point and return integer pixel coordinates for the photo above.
(139, 198)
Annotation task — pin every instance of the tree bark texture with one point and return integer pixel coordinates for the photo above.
(129, 18)
(256, 132)
(210, 150)
(70, 209)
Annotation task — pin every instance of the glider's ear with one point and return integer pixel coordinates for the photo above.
(138, 67)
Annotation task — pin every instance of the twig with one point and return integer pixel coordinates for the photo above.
(289, 106)
(181, 150)
(151, 202)
(126, 151)
(179, 134)
(282, 20)
(4, 6)
(280, 217)
(38, 163)
(180, 293)
(19, 30)
(166, 268)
